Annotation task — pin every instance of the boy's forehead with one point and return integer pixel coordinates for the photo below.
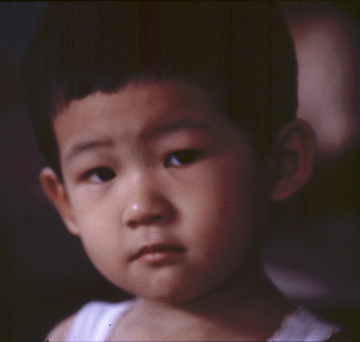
(146, 100)
(165, 93)
(140, 109)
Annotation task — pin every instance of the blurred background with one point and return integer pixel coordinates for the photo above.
(313, 255)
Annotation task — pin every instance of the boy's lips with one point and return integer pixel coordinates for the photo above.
(158, 251)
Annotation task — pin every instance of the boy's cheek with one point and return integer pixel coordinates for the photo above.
(87, 213)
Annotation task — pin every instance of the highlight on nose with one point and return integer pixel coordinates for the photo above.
(148, 213)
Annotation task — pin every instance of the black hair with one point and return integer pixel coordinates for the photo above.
(239, 51)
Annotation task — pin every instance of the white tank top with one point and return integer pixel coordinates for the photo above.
(96, 320)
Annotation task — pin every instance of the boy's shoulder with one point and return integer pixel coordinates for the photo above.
(60, 331)
(93, 322)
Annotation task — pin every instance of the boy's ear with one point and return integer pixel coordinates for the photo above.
(56, 193)
(293, 158)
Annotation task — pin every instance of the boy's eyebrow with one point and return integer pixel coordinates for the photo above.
(81, 147)
(186, 123)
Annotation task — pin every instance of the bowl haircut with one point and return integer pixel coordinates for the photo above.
(239, 52)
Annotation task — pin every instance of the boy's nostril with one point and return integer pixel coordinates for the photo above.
(156, 218)
(132, 224)
(145, 221)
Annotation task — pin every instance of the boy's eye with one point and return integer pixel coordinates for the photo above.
(183, 157)
(99, 175)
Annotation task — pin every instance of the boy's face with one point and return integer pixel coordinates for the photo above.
(163, 192)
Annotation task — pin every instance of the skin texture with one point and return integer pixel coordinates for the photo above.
(155, 164)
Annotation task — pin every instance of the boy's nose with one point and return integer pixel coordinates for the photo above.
(147, 205)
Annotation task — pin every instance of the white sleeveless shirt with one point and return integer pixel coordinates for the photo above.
(96, 320)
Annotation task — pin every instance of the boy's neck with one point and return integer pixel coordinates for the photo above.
(227, 297)
(237, 306)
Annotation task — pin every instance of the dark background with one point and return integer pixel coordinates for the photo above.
(314, 255)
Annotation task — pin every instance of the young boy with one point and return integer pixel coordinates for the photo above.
(169, 128)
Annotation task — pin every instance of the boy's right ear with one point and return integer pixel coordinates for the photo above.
(57, 194)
